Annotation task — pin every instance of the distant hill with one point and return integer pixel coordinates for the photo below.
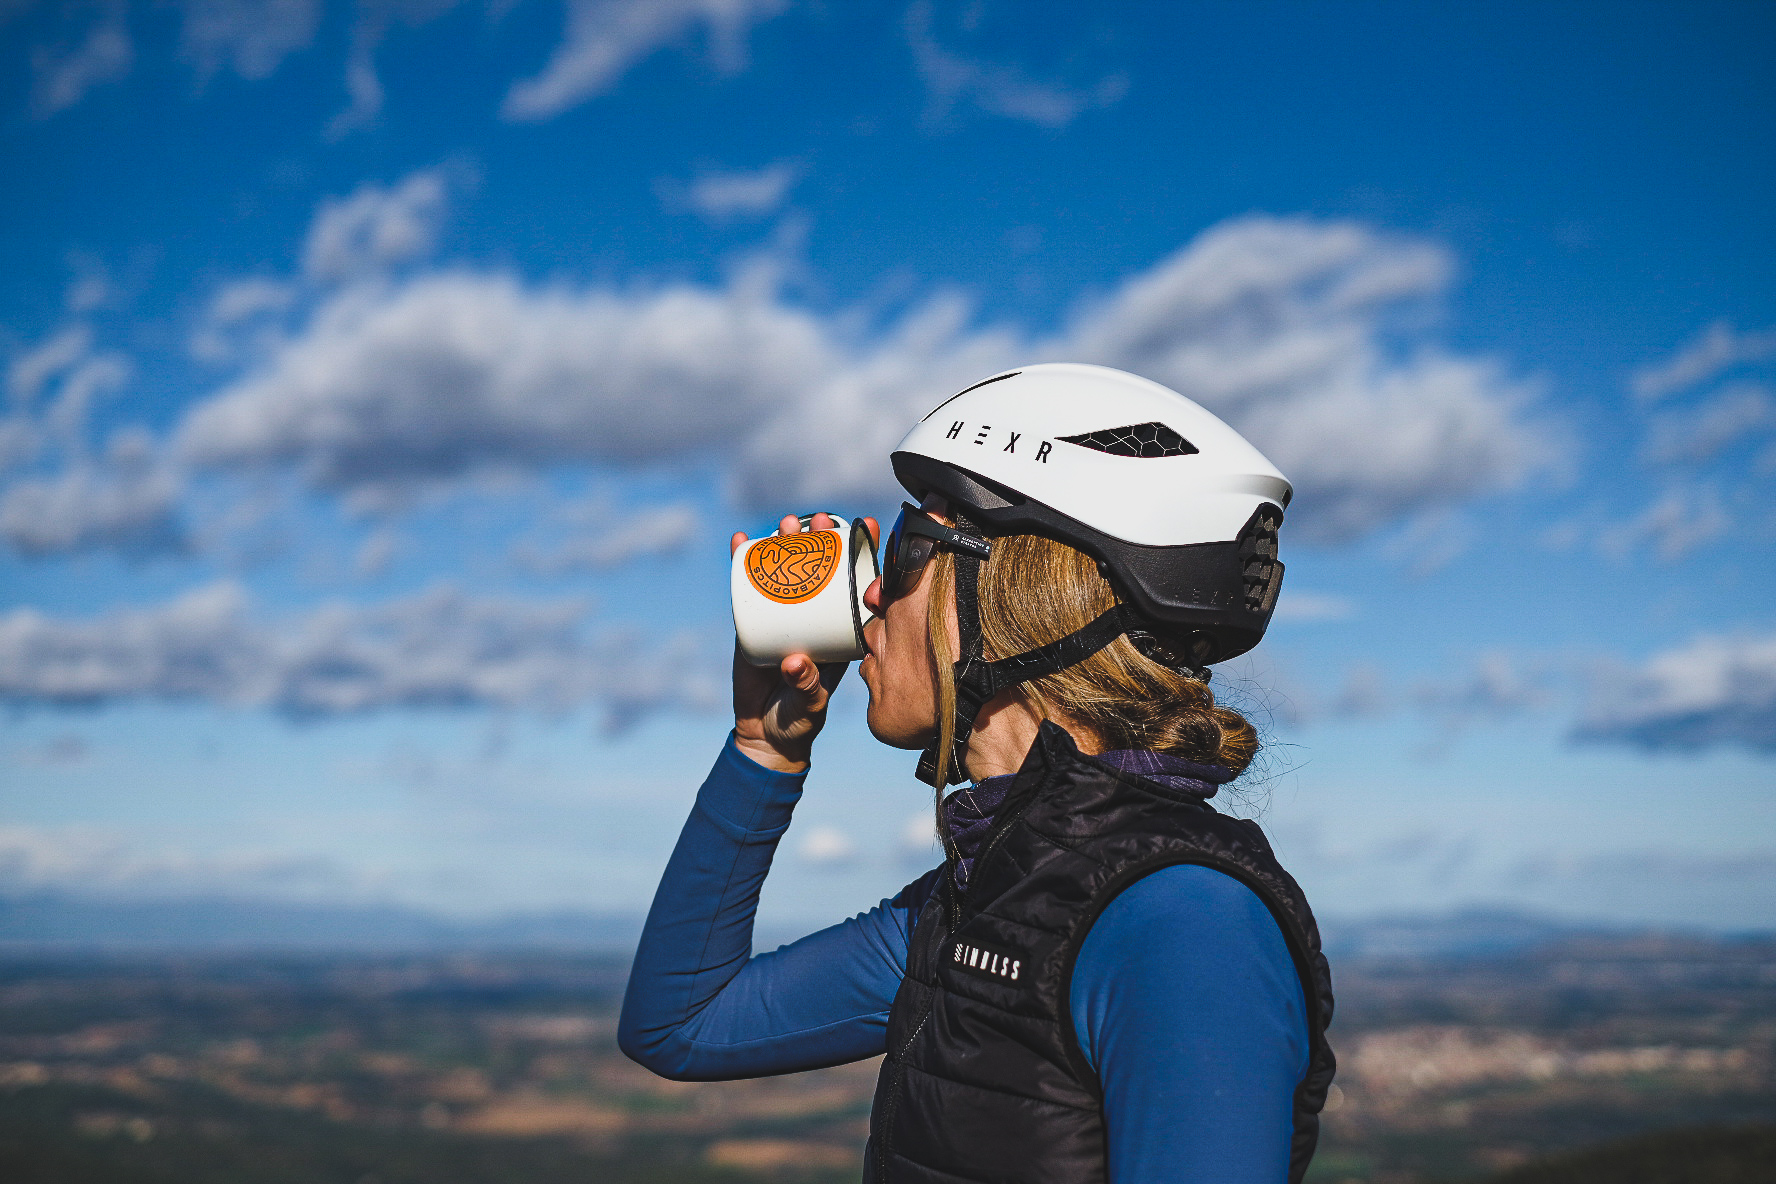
(1467, 932)
(51, 921)
(46, 922)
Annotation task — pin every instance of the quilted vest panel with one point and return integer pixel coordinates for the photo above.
(984, 1079)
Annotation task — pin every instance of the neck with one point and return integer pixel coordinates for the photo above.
(1004, 731)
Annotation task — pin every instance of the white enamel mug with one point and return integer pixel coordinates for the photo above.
(803, 593)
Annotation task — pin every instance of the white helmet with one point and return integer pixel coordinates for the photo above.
(1179, 510)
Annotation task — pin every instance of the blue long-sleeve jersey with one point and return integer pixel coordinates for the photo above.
(1184, 998)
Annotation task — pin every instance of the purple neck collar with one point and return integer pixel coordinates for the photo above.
(968, 812)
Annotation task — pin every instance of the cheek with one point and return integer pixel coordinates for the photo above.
(912, 661)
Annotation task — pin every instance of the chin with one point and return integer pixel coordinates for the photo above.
(894, 734)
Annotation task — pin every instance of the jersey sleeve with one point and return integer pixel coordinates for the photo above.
(699, 1006)
(1186, 1001)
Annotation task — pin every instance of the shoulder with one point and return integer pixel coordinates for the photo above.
(1184, 941)
(1186, 915)
(1188, 896)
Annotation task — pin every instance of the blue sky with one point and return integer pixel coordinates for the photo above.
(382, 382)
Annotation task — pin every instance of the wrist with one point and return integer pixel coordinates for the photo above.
(762, 752)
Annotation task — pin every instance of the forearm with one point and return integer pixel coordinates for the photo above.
(699, 930)
(698, 1005)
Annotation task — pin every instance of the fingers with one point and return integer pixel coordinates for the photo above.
(792, 524)
(800, 672)
(738, 541)
(875, 529)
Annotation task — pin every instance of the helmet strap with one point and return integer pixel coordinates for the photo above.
(978, 681)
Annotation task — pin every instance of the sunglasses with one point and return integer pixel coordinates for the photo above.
(916, 537)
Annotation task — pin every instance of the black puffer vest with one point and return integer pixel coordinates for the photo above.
(984, 1079)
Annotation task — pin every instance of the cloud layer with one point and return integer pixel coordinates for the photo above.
(250, 37)
(1298, 332)
(604, 38)
(1712, 692)
(721, 197)
(439, 648)
(602, 41)
(127, 502)
(63, 74)
(87, 860)
(1713, 351)
(951, 78)
(374, 228)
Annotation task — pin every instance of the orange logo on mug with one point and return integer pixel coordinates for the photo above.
(791, 568)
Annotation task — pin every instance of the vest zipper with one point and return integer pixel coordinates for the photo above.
(953, 921)
(980, 860)
(894, 1093)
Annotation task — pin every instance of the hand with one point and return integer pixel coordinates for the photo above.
(777, 713)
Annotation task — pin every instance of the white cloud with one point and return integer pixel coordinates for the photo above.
(374, 228)
(127, 502)
(32, 370)
(918, 836)
(1714, 350)
(63, 76)
(827, 846)
(81, 387)
(1682, 519)
(1487, 687)
(1282, 327)
(376, 552)
(1711, 692)
(437, 648)
(359, 237)
(1004, 90)
(1431, 540)
(723, 196)
(1296, 606)
(604, 38)
(84, 859)
(1497, 687)
(614, 537)
(1290, 329)
(53, 387)
(363, 87)
(240, 321)
(1699, 434)
(250, 37)
(90, 288)
(453, 372)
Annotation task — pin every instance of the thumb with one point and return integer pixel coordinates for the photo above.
(800, 672)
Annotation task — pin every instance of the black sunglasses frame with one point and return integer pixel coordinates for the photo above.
(915, 538)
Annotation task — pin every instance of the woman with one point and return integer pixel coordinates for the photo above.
(1106, 979)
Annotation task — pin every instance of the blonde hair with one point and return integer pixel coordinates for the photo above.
(1034, 590)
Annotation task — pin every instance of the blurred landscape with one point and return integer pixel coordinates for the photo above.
(1481, 1047)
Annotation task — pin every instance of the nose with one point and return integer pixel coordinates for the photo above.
(872, 597)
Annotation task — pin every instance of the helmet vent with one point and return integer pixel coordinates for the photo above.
(1145, 441)
(1259, 569)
